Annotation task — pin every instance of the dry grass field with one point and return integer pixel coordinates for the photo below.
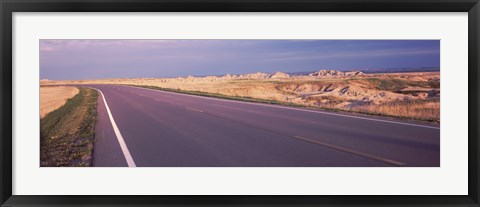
(53, 97)
(414, 95)
(425, 110)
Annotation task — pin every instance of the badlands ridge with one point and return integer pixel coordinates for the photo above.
(413, 95)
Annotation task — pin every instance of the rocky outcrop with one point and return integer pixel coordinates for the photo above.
(278, 75)
(256, 75)
(335, 73)
(259, 75)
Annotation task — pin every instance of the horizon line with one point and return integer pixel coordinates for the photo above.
(299, 72)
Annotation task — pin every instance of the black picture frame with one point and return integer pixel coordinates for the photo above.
(7, 7)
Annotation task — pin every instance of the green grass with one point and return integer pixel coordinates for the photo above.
(67, 134)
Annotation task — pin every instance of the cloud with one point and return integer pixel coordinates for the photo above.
(58, 45)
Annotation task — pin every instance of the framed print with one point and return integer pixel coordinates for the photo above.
(258, 103)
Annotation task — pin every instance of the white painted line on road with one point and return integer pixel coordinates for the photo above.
(297, 109)
(122, 143)
(193, 109)
(351, 151)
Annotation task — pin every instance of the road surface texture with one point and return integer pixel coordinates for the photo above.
(162, 129)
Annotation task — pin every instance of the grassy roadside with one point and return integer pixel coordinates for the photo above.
(67, 134)
(256, 100)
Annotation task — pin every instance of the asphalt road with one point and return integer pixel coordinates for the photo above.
(164, 129)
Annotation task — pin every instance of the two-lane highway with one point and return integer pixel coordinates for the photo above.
(163, 129)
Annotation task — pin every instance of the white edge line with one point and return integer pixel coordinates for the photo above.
(123, 145)
(291, 108)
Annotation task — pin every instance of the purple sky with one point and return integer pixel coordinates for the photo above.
(93, 59)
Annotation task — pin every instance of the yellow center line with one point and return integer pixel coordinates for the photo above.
(193, 109)
(351, 151)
